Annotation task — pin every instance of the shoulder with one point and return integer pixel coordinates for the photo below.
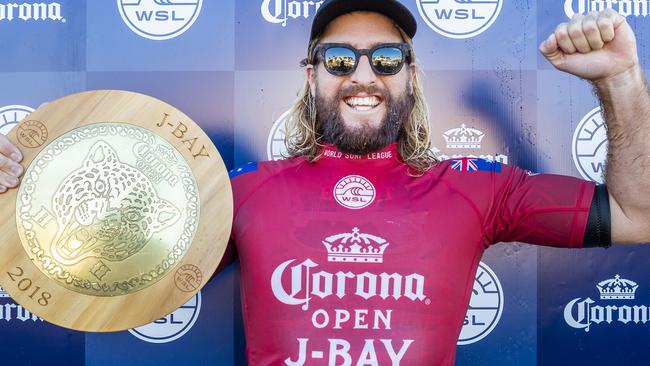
(249, 177)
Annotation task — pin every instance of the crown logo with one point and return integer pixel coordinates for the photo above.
(617, 288)
(463, 138)
(355, 247)
(3, 293)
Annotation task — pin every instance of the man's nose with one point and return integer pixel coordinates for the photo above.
(363, 74)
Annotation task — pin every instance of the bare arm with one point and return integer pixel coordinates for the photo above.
(601, 48)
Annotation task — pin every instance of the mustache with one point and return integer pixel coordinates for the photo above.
(358, 89)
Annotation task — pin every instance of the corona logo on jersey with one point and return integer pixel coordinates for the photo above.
(10, 311)
(616, 294)
(485, 306)
(172, 326)
(309, 283)
(10, 115)
(637, 8)
(590, 146)
(280, 11)
(464, 137)
(31, 11)
(159, 19)
(459, 18)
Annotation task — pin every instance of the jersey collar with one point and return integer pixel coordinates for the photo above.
(386, 156)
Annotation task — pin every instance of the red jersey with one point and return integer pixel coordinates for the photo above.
(351, 260)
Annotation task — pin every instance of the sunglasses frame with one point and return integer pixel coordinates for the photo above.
(322, 48)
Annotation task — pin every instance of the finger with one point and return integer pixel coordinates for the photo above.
(3, 189)
(616, 18)
(8, 181)
(563, 40)
(9, 149)
(577, 36)
(10, 167)
(549, 47)
(606, 26)
(591, 31)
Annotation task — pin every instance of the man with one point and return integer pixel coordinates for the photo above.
(352, 252)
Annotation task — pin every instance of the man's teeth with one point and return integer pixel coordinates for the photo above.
(362, 103)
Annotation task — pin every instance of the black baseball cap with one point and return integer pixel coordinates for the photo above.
(332, 9)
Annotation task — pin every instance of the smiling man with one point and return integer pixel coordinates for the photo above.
(352, 251)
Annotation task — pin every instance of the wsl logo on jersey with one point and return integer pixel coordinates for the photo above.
(10, 311)
(485, 306)
(159, 19)
(459, 18)
(173, 326)
(354, 192)
(10, 115)
(637, 8)
(590, 146)
(466, 138)
(617, 307)
(280, 11)
(276, 149)
(31, 11)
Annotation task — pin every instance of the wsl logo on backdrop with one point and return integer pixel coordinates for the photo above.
(280, 11)
(276, 149)
(31, 11)
(10, 115)
(10, 311)
(637, 8)
(459, 18)
(485, 306)
(159, 19)
(173, 326)
(617, 295)
(590, 146)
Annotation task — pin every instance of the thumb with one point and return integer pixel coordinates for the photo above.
(549, 48)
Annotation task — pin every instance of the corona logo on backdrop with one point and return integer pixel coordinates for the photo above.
(617, 306)
(459, 18)
(485, 306)
(280, 11)
(464, 137)
(10, 115)
(173, 326)
(31, 11)
(159, 19)
(637, 8)
(10, 311)
(590, 146)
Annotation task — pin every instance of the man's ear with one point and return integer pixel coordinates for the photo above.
(310, 72)
(413, 71)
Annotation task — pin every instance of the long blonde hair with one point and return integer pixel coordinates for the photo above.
(302, 130)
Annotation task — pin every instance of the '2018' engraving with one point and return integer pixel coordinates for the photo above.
(27, 285)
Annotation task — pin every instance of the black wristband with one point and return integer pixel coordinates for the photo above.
(599, 224)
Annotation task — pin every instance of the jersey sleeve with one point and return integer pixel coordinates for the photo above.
(544, 209)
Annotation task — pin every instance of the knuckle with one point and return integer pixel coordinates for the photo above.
(575, 31)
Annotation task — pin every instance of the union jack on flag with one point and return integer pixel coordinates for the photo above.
(475, 165)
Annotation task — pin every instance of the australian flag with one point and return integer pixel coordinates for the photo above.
(475, 165)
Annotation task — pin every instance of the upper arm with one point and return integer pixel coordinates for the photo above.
(628, 226)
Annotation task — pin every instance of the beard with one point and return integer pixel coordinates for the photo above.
(362, 140)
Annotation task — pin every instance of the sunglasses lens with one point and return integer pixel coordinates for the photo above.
(339, 60)
(387, 60)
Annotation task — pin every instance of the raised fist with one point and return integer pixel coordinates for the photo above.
(595, 46)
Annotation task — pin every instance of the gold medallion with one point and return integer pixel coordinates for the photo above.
(122, 215)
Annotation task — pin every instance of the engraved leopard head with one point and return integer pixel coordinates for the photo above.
(107, 209)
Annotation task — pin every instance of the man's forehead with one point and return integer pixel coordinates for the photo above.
(362, 29)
